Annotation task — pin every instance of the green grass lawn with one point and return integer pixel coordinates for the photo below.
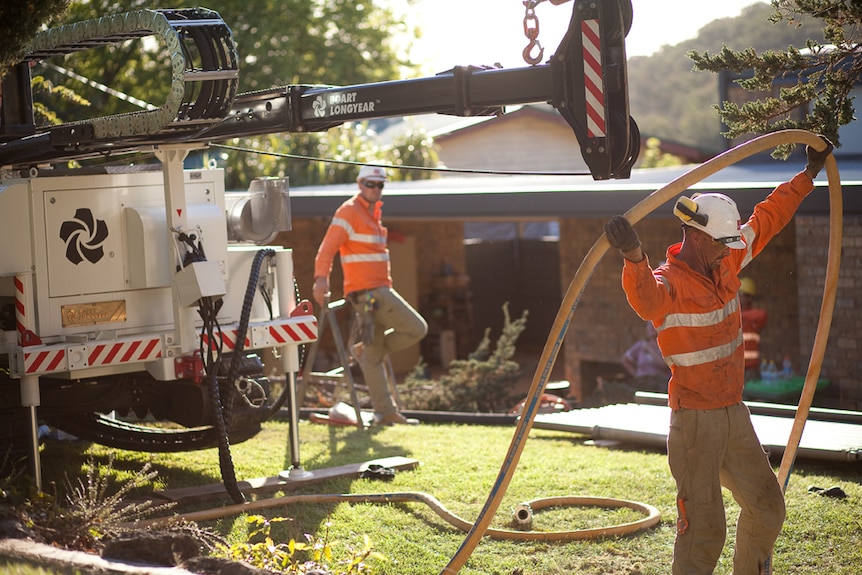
(459, 464)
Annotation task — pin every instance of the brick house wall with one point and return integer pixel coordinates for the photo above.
(842, 363)
(436, 241)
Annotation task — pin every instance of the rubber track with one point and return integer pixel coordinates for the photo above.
(120, 434)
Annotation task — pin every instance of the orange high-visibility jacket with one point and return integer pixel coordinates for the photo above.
(697, 318)
(358, 236)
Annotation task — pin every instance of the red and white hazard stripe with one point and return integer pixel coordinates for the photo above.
(48, 359)
(59, 358)
(594, 87)
(126, 351)
(23, 304)
(41, 360)
(228, 339)
(300, 330)
(291, 331)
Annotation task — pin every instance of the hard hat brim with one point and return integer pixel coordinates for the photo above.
(372, 174)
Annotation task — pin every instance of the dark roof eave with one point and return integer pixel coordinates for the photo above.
(541, 197)
(544, 205)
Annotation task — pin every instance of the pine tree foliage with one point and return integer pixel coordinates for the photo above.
(819, 78)
(19, 22)
(481, 383)
(680, 106)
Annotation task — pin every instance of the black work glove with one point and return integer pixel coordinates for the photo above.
(621, 234)
(816, 159)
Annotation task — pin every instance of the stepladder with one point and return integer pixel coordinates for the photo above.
(333, 380)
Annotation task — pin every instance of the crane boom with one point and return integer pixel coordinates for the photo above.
(203, 104)
(125, 285)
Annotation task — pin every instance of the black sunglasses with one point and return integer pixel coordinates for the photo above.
(378, 185)
(727, 240)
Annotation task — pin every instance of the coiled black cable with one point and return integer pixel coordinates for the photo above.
(211, 346)
(248, 300)
(208, 309)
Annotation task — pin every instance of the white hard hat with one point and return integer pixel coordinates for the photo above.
(372, 174)
(715, 214)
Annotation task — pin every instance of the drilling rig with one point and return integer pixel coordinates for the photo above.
(135, 294)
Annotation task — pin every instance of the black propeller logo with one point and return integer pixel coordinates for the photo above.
(84, 236)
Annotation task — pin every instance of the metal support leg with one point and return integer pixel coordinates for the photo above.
(30, 399)
(296, 471)
(290, 362)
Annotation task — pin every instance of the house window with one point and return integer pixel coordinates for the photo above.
(545, 230)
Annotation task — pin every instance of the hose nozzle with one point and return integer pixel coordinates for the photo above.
(523, 516)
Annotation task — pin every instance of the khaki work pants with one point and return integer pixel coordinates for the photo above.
(708, 449)
(396, 326)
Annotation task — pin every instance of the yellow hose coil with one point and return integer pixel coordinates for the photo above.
(652, 515)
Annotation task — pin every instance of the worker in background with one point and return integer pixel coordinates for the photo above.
(753, 322)
(388, 323)
(643, 362)
(693, 300)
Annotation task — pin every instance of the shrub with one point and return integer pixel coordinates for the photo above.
(480, 383)
(296, 557)
(91, 510)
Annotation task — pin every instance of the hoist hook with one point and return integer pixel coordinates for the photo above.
(527, 53)
(531, 31)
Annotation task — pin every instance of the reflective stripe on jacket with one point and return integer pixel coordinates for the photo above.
(697, 317)
(359, 237)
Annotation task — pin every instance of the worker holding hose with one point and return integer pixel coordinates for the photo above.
(692, 299)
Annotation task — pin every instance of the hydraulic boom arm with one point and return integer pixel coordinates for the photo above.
(585, 80)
